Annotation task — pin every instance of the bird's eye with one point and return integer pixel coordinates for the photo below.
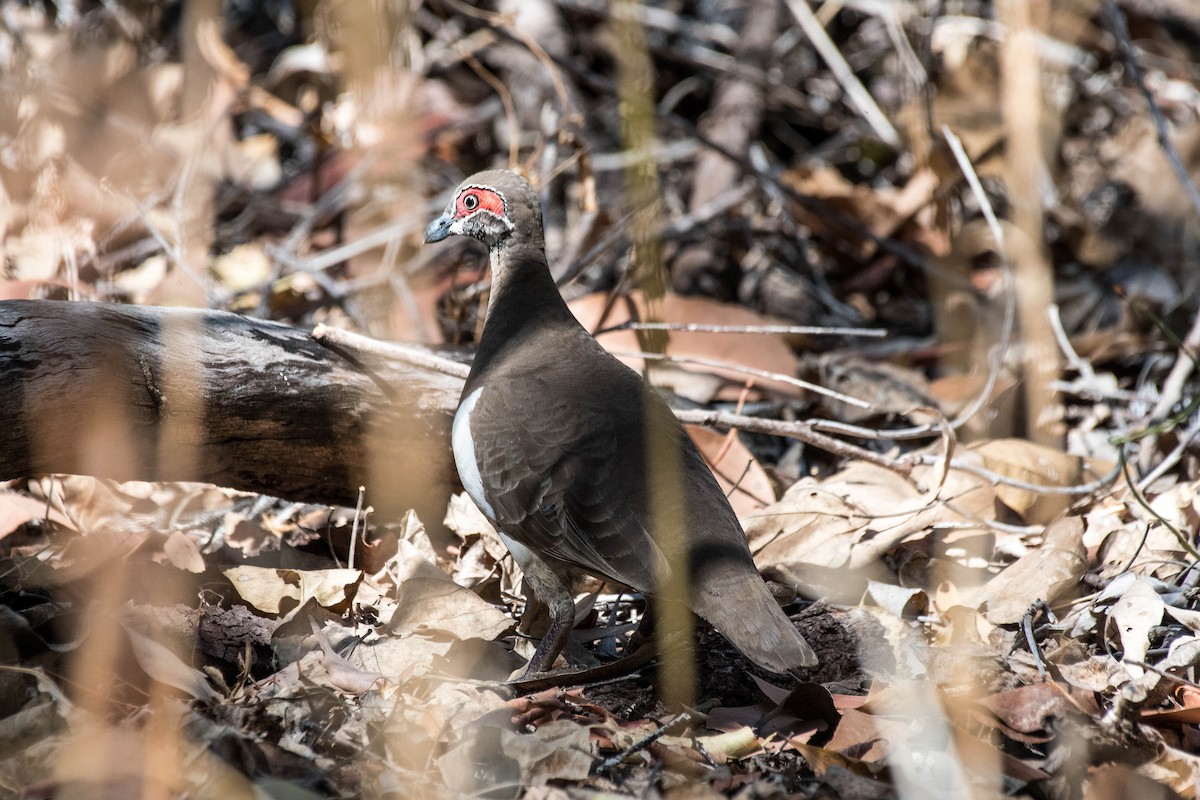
(470, 202)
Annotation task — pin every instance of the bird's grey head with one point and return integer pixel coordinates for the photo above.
(495, 206)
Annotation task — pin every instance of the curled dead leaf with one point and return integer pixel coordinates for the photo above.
(266, 589)
(1134, 615)
(161, 664)
(183, 553)
(733, 744)
(1045, 573)
(853, 518)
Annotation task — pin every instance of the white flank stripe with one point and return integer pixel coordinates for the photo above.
(520, 552)
(464, 453)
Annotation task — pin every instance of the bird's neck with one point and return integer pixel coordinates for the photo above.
(524, 304)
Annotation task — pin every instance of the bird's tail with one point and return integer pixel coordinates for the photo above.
(743, 610)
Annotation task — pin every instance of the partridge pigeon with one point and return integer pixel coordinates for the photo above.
(550, 440)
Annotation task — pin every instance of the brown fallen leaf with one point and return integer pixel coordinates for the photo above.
(1030, 709)
(429, 600)
(881, 208)
(441, 604)
(1045, 573)
(1031, 463)
(1135, 615)
(854, 517)
(867, 737)
(183, 553)
(823, 759)
(266, 588)
(738, 472)
(559, 750)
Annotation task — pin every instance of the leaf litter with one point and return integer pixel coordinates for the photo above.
(988, 625)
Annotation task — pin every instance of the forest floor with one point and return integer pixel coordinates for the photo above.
(961, 242)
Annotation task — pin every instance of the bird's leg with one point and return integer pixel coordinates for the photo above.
(644, 632)
(551, 590)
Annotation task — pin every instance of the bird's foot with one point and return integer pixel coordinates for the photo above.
(626, 665)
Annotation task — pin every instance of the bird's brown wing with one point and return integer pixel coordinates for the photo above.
(566, 483)
(560, 481)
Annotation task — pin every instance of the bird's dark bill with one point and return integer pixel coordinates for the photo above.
(438, 229)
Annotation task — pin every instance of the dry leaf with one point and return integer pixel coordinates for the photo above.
(903, 602)
(441, 604)
(559, 750)
(735, 744)
(429, 600)
(738, 472)
(183, 553)
(1030, 709)
(1031, 463)
(1171, 766)
(1045, 573)
(161, 664)
(1135, 614)
(881, 208)
(1186, 616)
(868, 736)
(266, 589)
(854, 517)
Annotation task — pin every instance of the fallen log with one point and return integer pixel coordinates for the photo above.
(173, 394)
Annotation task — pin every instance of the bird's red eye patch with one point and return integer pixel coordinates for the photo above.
(479, 199)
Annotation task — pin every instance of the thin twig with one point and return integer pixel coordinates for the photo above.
(330, 202)
(718, 205)
(1182, 681)
(695, 327)
(713, 363)
(1030, 639)
(510, 111)
(1183, 538)
(860, 98)
(377, 237)
(798, 430)
(503, 23)
(358, 512)
(1171, 459)
(968, 171)
(641, 744)
(1076, 490)
(1116, 24)
(399, 352)
(1064, 344)
(875, 434)
(996, 357)
(1181, 370)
